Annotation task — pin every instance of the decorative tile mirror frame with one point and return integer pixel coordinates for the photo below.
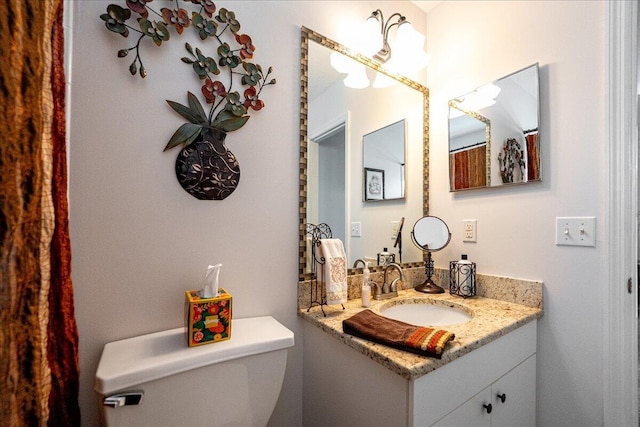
(306, 36)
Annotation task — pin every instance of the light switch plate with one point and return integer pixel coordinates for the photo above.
(356, 229)
(394, 229)
(576, 231)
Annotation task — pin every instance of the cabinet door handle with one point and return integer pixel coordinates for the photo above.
(502, 397)
(488, 407)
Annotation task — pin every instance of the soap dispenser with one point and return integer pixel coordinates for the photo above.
(385, 258)
(366, 288)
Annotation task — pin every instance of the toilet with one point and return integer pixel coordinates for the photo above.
(156, 380)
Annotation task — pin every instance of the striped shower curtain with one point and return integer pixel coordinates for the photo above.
(38, 333)
(533, 156)
(468, 168)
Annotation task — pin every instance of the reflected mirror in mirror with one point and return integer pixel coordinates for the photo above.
(383, 159)
(493, 133)
(332, 178)
(469, 139)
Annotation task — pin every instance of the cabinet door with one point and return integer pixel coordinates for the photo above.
(512, 398)
(472, 413)
(518, 390)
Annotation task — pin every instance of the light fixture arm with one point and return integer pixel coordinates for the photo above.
(387, 26)
(377, 14)
(384, 54)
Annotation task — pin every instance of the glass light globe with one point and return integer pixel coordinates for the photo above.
(357, 78)
(488, 91)
(383, 80)
(370, 40)
(407, 49)
(341, 63)
(408, 37)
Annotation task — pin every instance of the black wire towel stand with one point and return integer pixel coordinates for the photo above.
(316, 287)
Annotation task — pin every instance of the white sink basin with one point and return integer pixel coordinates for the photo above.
(426, 314)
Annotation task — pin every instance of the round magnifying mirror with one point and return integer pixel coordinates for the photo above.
(430, 234)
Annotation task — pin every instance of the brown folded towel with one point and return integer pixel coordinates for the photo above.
(416, 339)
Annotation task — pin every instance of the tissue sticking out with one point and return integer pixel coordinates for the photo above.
(210, 282)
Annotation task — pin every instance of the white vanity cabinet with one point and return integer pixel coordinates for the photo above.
(344, 387)
(508, 402)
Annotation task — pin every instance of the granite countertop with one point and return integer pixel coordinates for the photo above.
(492, 319)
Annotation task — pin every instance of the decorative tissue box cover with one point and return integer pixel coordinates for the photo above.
(208, 319)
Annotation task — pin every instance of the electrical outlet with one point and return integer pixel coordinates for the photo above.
(469, 232)
(356, 229)
(394, 229)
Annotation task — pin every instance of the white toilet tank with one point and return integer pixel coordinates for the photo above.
(228, 383)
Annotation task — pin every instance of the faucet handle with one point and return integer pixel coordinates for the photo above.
(377, 288)
(394, 285)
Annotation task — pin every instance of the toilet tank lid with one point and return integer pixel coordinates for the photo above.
(137, 360)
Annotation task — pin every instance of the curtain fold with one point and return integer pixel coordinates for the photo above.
(38, 337)
(468, 168)
(533, 156)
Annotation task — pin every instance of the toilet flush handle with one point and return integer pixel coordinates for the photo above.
(124, 399)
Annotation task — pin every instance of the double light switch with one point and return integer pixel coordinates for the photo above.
(576, 231)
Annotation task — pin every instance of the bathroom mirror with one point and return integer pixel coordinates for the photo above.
(493, 133)
(334, 122)
(383, 157)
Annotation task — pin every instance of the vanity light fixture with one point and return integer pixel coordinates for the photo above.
(407, 47)
(483, 97)
(408, 55)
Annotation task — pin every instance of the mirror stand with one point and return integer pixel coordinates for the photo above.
(429, 286)
(430, 234)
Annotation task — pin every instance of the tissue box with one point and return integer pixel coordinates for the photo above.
(207, 319)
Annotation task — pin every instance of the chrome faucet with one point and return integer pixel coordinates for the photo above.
(359, 260)
(389, 290)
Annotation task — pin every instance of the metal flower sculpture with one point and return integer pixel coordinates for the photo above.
(511, 156)
(229, 108)
(205, 168)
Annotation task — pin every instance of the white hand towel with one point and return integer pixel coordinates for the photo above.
(310, 260)
(335, 270)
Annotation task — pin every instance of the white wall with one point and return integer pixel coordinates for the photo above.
(472, 43)
(139, 241)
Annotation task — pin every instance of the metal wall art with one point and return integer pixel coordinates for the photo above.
(205, 168)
